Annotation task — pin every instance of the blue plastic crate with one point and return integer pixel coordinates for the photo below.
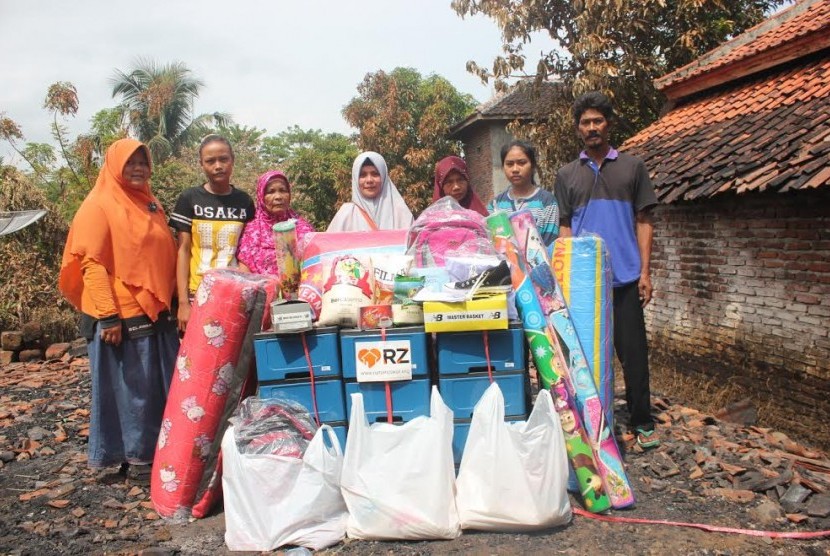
(462, 430)
(462, 392)
(410, 399)
(463, 352)
(329, 393)
(352, 341)
(281, 356)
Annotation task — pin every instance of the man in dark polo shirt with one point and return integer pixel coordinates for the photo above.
(608, 193)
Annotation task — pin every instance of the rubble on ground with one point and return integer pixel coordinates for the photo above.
(706, 470)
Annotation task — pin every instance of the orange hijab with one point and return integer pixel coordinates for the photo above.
(116, 227)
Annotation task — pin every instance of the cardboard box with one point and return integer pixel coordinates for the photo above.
(375, 316)
(290, 316)
(483, 313)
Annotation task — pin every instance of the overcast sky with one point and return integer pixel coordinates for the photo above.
(270, 64)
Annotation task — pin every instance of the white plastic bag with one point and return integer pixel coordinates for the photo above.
(398, 480)
(271, 501)
(513, 476)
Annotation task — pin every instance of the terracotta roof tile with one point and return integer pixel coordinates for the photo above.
(795, 23)
(771, 133)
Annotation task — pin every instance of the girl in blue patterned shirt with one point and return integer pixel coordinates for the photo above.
(518, 159)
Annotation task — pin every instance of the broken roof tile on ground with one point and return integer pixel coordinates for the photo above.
(706, 470)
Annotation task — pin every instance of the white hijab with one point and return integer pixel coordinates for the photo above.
(388, 209)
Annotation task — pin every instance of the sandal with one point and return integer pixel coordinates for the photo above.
(109, 477)
(647, 439)
(140, 474)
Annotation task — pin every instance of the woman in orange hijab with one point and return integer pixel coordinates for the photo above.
(119, 270)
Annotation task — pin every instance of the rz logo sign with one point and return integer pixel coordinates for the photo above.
(386, 356)
(397, 356)
(379, 361)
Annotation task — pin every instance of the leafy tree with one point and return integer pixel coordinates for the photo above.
(406, 117)
(65, 182)
(38, 156)
(62, 99)
(317, 164)
(157, 101)
(319, 167)
(174, 175)
(107, 126)
(618, 47)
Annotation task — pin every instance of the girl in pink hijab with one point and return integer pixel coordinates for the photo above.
(273, 204)
(451, 179)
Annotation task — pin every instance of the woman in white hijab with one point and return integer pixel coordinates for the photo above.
(376, 203)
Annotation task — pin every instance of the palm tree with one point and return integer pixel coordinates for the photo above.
(157, 102)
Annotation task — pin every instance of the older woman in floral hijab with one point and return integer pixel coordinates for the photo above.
(273, 204)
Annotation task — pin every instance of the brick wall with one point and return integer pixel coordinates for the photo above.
(477, 156)
(742, 295)
(482, 145)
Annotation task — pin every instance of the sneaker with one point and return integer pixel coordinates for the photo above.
(495, 277)
(647, 439)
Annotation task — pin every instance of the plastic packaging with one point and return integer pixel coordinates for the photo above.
(273, 426)
(398, 480)
(446, 229)
(288, 261)
(272, 501)
(513, 476)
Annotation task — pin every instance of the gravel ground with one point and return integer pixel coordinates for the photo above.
(706, 471)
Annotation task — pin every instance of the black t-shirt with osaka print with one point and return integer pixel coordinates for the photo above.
(215, 223)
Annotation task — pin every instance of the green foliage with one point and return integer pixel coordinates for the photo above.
(617, 47)
(174, 175)
(317, 164)
(157, 101)
(248, 164)
(406, 117)
(65, 181)
(319, 167)
(106, 127)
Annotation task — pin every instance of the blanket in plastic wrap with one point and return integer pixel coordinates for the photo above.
(212, 376)
(336, 276)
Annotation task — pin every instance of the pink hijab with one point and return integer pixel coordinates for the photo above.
(256, 248)
(442, 170)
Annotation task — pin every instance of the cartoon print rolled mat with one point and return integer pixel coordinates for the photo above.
(572, 359)
(199, 391)
(540, 342)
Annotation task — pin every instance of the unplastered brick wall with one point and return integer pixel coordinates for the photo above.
(479, 163)
(742, 298)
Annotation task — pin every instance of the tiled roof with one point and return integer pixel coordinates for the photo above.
(523, 101)
(765, 42)
(768, 134)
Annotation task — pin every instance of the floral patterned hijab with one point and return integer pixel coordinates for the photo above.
(256, 247)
